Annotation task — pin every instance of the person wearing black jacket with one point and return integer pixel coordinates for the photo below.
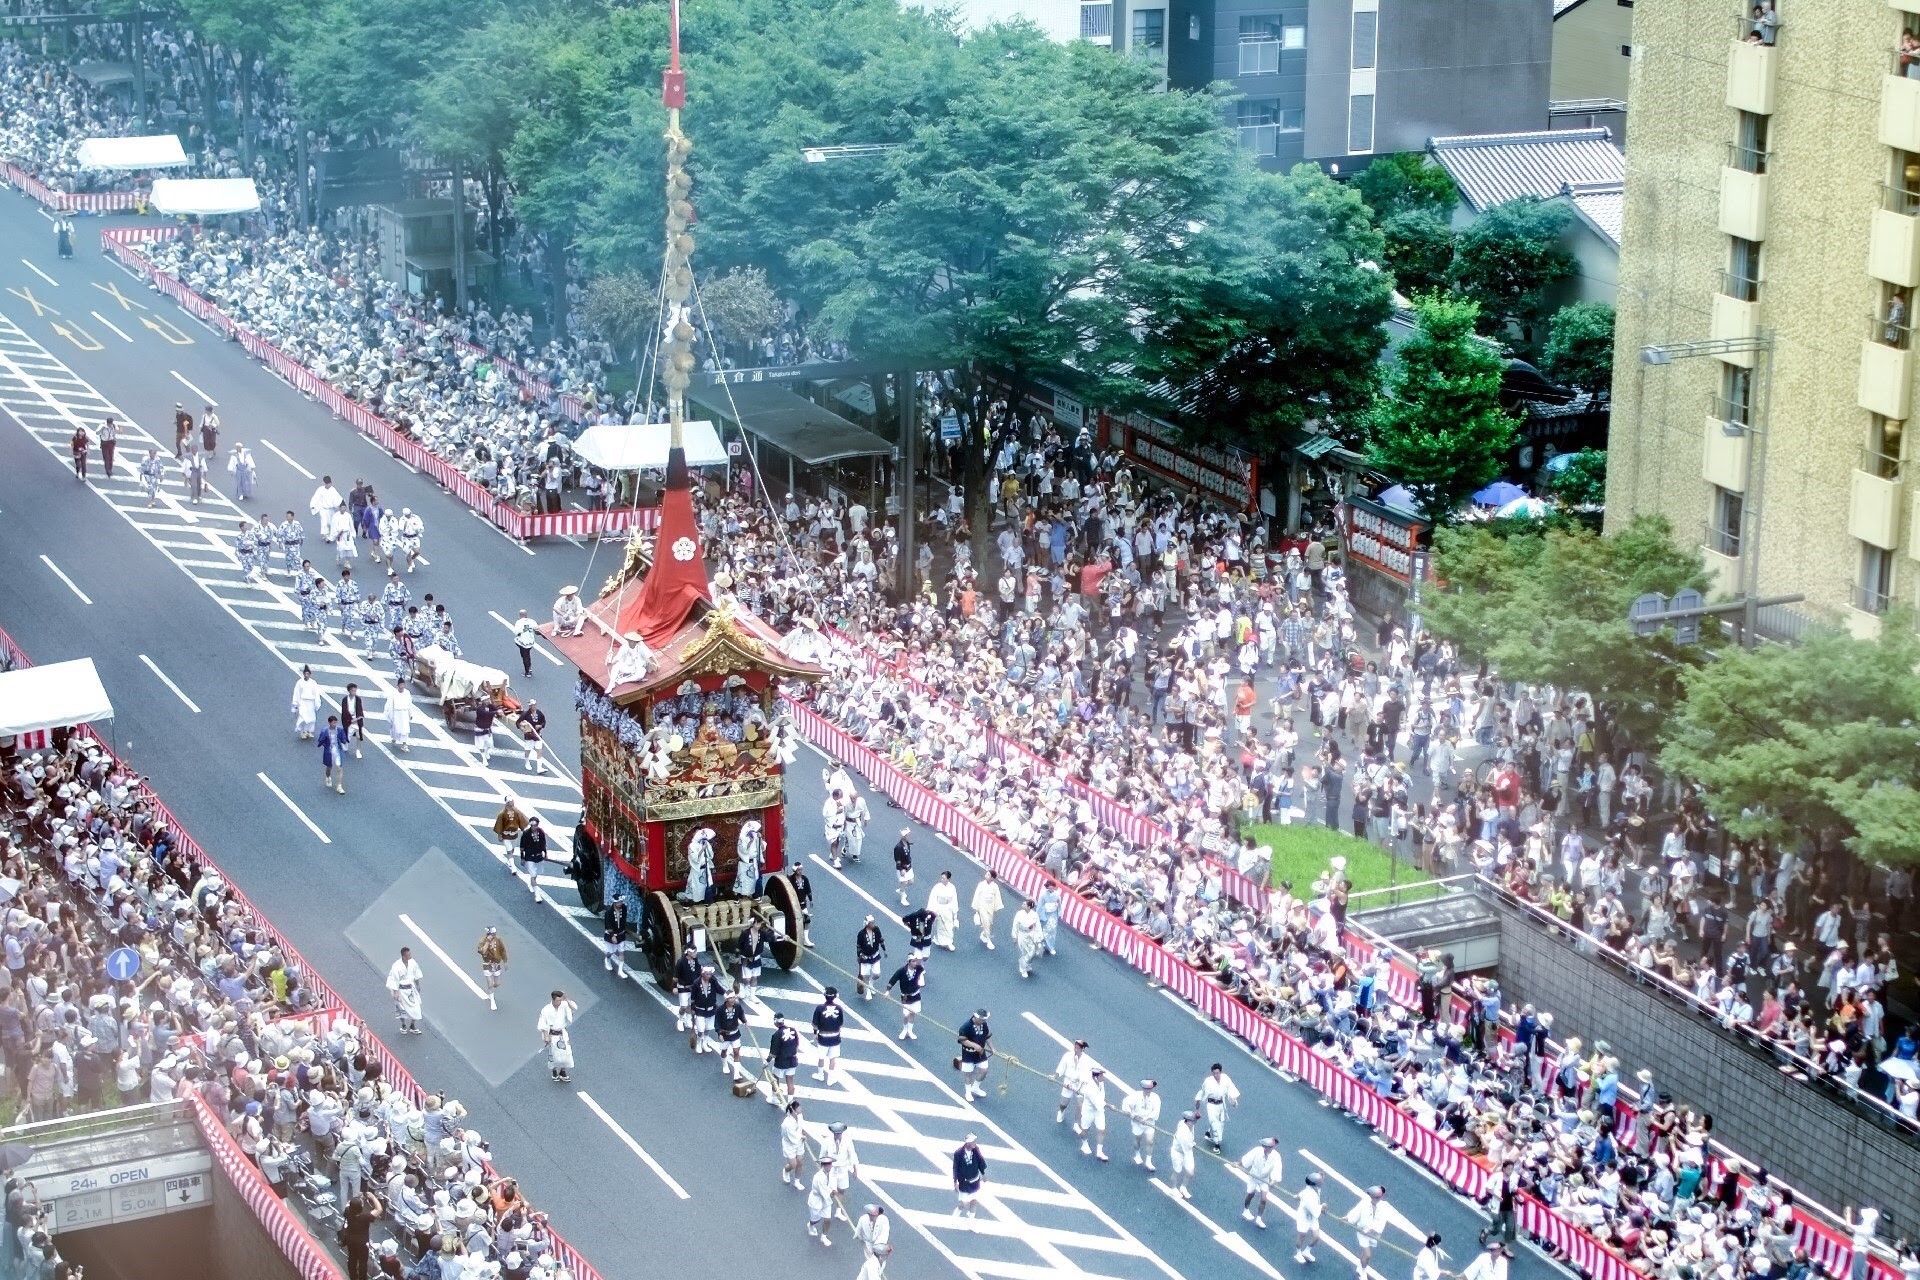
(614, 924)
(911, 979)
(686, 972)
(704, 1002)
(533, 853)
(727, 1021)
(829, 1021)
(353, 715)
(976, 1051)
(969, 1171)
(362, 1212)
(903, 862)
(783, 1059)
(919, 932)
(803, 890)
(869, 946)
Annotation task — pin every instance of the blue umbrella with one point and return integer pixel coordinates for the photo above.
(1499, 494)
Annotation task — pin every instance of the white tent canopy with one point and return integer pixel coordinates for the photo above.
(52, 697)
(158, 151)
(205, 196)
(643, 446)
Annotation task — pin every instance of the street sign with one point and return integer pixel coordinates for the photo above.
(1686, 630)
(1648, 605)
(733, 448)
(122, 964)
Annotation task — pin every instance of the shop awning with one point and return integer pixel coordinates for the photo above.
(157, 151)
(204, 196)
(56, 696)
(643, 446)
(791, 422)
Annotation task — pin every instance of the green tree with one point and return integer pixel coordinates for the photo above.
(1551, 607)
(249, 32)
(1793, 740)
(625, 306)
(740, 306)
(1405, 182)
(1419, 248)
(1288, 323)
(1583, 481)
(1579, 350)
(1040, 222)
(358, 66)
(1438, 428)
(1508, 258)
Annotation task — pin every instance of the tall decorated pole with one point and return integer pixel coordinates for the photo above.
(678, 347)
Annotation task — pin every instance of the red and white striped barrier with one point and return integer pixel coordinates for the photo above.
(289, 1233)
(574, 524)
(67, 201)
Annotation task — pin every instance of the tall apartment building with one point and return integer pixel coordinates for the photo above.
(1773, 191)
(1338, 81)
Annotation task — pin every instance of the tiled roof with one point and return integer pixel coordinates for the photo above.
(1493, 168)
(1601, 203)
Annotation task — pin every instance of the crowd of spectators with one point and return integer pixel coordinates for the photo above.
(218, 1007)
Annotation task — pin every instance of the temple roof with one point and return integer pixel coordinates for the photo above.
(715, 639)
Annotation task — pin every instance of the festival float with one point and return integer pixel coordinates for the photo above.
(683, 746)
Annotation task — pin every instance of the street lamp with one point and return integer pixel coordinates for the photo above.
(1747, 596)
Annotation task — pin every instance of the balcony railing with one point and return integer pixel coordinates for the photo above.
(1906, 62)
(1890, 330)
(1722, 542)
(1735, 415)
(1737, 286)
(1870, 599)
(1900, 200)
(1746, 159)
(1882, 466)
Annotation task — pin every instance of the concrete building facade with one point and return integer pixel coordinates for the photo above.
(1339, 81)
(1773, 189)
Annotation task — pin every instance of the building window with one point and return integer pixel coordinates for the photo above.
(1096, 22)
(1742, 281)
(1149, 29)
(1749, 150)
(1360, 124)
(1626, 51)
(1734, 406)
(1293, 39)
(1881, 457)
(1260, 44)
(1258, 121)
(1193, 26)
(1723, 530)
(1366, 30)
(1293, 119)
(1874, 591)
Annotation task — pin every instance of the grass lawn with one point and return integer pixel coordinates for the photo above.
(1301, 853)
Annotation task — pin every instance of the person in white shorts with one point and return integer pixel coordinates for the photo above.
(1306, 1219)
(1092, 1120)
(1180, 1155)
(1368, 1218)
(1143, 1109)
(1262, 1166)
(1071, 1070)
(793, 1148)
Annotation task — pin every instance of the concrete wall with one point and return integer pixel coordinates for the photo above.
(1587, 44)
(1807, 1136)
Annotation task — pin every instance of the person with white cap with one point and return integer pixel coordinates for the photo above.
(846, 1161)
(1490, 1265)
(1180, 1155)
(874, 1230)
(969, 1173)
(869, 948)
(793, 1147)
(1142, 1107)
(820, 1197)
(569, 615)
(525, 636)
(412, 530)
(829, 1020)
(403, 983)
(1070, 1071)
(1262, 1165)
(874, 1267)
(492, 949)
(911, 979)
(1307, 1209)
(1369, 1219)
(976, 1053)
(1093, 1115)
(783, 1061)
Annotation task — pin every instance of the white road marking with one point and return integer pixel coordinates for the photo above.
(444, 958)
(287, 801)
(111, 325)
(37, 271)
(206, 399)
(276, 448)
(537, 647)
(191, 704)
(632, 1145)
(1234, 1243)
(820, 863)
(84, 597)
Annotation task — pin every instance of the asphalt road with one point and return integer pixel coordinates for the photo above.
(170, 624)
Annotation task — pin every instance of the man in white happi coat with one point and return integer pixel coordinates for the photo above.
(403, 983)
(1142, 1108)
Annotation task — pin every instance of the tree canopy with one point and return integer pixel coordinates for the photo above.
(1405, 182)
(1439, 428)
(1551, 607)
(1508, 258)
(1579, 349)
(1819, 736)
